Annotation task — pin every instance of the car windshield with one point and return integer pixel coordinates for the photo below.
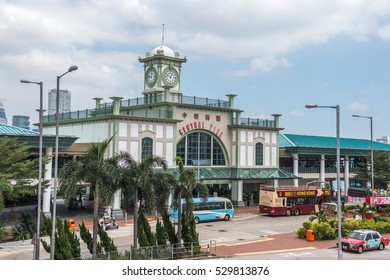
(356, 235)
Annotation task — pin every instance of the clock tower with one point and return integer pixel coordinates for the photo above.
(162, 69)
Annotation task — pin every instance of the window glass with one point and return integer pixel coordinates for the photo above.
(259, 154)
(200, 149)
(375, 235)
(147, 148)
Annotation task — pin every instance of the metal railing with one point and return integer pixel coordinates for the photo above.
(158, 252)
(255, 122)
(131, 107)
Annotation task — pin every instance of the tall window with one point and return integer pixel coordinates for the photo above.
(201, 149)
(259, 154)
(147, 148)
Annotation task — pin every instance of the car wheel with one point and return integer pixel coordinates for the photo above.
(288, 212)
(381, 246)
(297, 212)
(196, 220)
(227, 217)
(360, 250)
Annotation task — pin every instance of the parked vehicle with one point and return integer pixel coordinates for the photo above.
(363, 239)
(294, 200)
(108, 222)
(214, 208)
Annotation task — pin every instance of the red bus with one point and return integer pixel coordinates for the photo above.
(296, 200)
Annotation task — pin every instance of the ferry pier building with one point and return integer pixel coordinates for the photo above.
(230, 153)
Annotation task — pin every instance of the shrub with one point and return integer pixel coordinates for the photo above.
(382, 227)
(307, 225)
(26, 229)
(349, 226)
(3, 232)
(301, 232)
(323, 231)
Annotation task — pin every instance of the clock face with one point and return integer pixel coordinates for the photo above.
(170, 77)
(151, 77)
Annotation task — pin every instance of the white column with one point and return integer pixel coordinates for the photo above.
(322, 168)
(346, 175)
(46, 192)
(296, 168)
(237, 193)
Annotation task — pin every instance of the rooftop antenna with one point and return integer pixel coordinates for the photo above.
(162, 41)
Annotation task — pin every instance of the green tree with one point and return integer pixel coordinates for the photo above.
(86, 236)
(185, 185)
(145, 234)
(18, 170)
(362, 210)
(107, 243)
(320, 216)
(161, 233)
(97, 169)
(67, 244)
(141, 178)
(381, 169)
(169, 227)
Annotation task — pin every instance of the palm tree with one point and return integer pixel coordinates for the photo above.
(141, 178)
(93, 168)
(321, 216)
(363, 210)
(185, 186)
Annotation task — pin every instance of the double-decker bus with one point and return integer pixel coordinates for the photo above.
(214, 208)
(296, 200)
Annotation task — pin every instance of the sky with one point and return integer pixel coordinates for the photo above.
(275, 55)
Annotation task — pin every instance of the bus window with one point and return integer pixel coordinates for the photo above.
(229, 205)
(211, 209)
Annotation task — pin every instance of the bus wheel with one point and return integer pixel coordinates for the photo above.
(226, 218)
(196, 220)
(297, 212)
(288, 212)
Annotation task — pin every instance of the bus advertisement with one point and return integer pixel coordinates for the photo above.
(296, 200)
(214, 208)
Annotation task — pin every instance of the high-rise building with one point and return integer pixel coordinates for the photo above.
(21, 121)
(3, 117)
(384, 139)
(64, 105)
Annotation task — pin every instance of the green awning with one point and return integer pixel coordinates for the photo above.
(239, 173)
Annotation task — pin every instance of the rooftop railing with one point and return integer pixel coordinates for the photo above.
(130, 107)
(256, 122)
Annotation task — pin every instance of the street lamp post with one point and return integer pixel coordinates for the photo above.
(372, 155)
(339, 233)
(37, 239)
(54, 215)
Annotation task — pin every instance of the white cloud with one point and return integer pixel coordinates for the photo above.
(357, 107)
(41, 38)
(266, 64)
(297, 113)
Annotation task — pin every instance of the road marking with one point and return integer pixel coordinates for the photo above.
(274, 251)
(243, 243)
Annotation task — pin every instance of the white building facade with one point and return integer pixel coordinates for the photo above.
(227, 152)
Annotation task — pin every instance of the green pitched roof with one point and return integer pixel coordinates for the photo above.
(32, 137)
(321, 144)
(13, 130)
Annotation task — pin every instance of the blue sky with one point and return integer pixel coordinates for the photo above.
(277, 56)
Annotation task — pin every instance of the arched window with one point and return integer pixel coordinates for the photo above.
(147, 148)
(259, 154)
(200, 149)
